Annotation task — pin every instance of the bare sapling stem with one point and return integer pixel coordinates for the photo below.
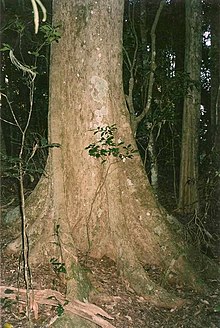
(31, 75)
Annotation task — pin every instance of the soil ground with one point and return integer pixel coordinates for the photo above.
(110, 292)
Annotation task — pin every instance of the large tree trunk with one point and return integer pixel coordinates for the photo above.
(188, 190)
(83, 205)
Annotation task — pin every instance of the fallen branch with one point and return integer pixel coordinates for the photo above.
(51, 297)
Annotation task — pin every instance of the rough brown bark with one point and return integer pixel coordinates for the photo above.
(188, 190)
(100, 209)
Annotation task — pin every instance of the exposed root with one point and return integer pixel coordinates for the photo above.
(152, 292)
(87, 311)
(139, 280)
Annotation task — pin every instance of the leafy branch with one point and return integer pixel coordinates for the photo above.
(106, 145)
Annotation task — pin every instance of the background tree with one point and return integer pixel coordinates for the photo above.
(188, 190)
(141, 70)
(215, 114)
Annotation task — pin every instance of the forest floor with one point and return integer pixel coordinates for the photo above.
(127, 309)
(111, 293)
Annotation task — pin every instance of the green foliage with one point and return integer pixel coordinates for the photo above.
(16, 24)
(11, 168)
(51, 33)
(58, 267)
(25, 105)
(59, 310)
(6, 47)
(59, 307)
(7, 303)
(217, 308)
(106, 145)
(31, 168)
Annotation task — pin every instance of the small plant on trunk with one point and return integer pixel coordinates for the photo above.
(107, 146)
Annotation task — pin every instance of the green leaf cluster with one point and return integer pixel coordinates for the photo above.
(58, 267)
(106, 145)
(51, 33)
(59, 310)
(6, 47)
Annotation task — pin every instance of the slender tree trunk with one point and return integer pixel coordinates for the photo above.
(153, 162)
(215, 106)
(215, 66)
(188, 190)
